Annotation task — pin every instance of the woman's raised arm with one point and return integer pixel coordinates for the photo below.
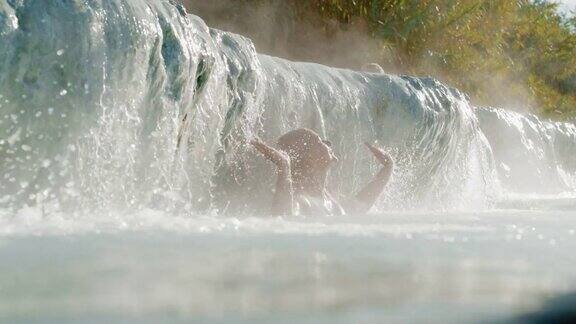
(366, 198)
(283, 201)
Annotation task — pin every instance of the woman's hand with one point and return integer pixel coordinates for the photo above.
(278, 157)
(382, 157)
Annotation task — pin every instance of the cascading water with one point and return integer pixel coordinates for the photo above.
(93, 98)
(125, 103)
(534, 156)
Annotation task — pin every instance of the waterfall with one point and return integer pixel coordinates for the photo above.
(136, 103)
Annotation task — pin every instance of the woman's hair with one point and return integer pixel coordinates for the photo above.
(299, 142)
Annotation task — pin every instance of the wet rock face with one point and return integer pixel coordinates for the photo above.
(8, 20)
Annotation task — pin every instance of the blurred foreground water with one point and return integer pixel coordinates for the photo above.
(458, 267)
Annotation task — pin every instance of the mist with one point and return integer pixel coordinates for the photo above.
(275, 30)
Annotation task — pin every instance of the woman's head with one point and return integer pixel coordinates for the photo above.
(307, 151)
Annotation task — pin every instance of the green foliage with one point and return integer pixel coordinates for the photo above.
(500, 51)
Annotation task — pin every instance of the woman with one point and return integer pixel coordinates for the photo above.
(302, 161)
